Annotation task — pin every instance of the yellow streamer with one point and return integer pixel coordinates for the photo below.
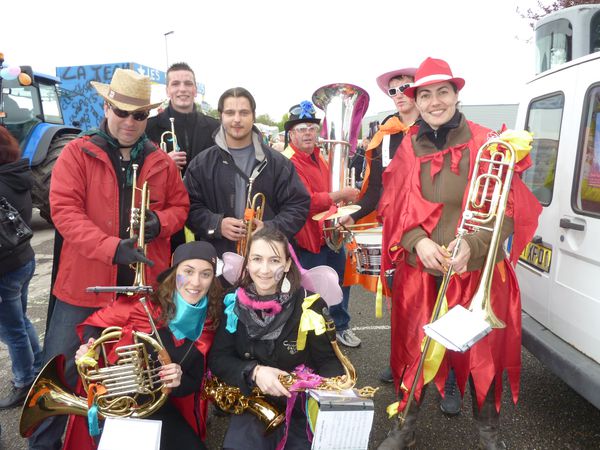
(435, 352)
(379, 300)
(520, 140)
(392, 409)
(189, 236)
(309, 321)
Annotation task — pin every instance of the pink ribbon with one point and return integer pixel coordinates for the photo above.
(305, 379)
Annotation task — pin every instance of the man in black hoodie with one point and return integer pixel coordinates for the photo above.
(16, 270)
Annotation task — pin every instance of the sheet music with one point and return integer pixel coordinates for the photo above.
(459, 329)
(344, 421)
(127, 434)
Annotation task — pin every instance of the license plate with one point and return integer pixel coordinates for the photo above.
(538, 256)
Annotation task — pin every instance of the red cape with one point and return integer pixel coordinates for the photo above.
(128, 313)
(402, 208)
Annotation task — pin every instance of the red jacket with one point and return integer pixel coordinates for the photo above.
(315, 176)
(84, 200)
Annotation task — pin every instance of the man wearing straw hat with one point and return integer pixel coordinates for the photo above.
(90, 199)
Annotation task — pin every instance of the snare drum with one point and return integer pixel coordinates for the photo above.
(368, 251)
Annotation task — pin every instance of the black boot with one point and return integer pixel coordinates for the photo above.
(401, 437)
(15, 398)
(451, 404)
(487, 420)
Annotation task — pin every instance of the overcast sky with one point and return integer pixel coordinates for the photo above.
(282, 51)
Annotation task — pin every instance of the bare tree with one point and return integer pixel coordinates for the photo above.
(534, 15)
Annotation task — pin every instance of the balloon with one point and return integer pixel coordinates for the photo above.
(10, 73)
(24, 79)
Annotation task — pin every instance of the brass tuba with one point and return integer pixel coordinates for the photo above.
(344, 106)
(231, 400)
(485, 207)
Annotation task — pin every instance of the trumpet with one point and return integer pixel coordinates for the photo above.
(255, 209)
(169, 134)
(137, 220)
(485, 208)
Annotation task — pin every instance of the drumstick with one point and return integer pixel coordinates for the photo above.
(356, 225)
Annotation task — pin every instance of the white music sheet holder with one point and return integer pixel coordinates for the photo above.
(344, 421)
(459, 329)
(126, 434)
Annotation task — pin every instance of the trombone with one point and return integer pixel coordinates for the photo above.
(485, 208)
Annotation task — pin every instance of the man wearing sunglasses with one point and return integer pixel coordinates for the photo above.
(90, 199)
(303, 129)
(240, 165)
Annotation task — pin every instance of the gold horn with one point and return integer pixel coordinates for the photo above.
(484, 210)
(169, 134)
(133, 386)
(344, 105)
(49, 396)
(231, 400)
(255, 209)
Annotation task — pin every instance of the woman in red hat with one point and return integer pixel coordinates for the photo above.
(424, 191)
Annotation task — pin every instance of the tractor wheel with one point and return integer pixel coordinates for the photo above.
(42, 173)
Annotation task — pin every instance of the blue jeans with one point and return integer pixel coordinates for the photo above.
(16, 331)
(337, 261)
(61, 339)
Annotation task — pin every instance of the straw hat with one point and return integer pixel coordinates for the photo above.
(128, 90)
(433, 71)
(383, 81)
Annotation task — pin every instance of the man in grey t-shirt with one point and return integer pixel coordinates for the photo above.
(221, 179)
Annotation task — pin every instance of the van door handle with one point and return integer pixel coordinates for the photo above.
(566, 223)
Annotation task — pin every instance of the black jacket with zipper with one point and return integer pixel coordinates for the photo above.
(15, 185)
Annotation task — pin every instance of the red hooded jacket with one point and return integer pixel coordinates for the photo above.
(84, 200)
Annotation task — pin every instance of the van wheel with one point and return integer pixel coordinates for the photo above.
(42, 173)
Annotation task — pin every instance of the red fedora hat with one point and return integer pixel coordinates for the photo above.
(433, 71)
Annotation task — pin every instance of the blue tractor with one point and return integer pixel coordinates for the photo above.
(30, 110)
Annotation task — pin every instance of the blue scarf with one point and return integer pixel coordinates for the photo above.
(189, 319)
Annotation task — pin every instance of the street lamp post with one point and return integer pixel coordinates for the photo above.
(168, 33)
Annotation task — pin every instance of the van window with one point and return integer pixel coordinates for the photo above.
(595, 33)
(543, 120)
(553, 44)
(588, 186)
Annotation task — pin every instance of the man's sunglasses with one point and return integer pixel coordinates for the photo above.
(396, 90)
(137, 115)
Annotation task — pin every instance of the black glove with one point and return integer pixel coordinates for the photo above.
(151, 226)
(128, 254)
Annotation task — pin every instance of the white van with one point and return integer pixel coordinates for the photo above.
(559, 271)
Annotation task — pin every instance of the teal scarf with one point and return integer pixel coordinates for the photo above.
(189, 319)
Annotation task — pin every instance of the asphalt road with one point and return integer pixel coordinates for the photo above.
(549, 414)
